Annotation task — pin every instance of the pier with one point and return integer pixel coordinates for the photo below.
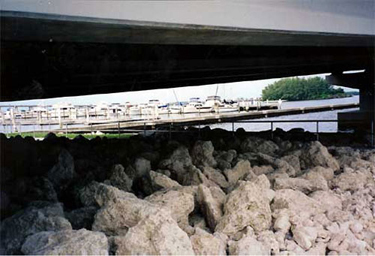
(202, 119)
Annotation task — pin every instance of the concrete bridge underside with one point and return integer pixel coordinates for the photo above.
(44, 56)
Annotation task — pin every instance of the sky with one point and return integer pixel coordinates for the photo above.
(248, 89)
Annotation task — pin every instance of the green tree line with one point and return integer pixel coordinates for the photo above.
(301, 89)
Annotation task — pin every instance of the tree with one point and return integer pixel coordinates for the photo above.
(301, 89)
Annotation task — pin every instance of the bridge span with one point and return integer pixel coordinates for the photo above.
(48, 51)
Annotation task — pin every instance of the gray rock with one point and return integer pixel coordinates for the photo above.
(87, 194)
(215, 176)
(156, 234)
(293, 160)
(302, 185)
(178, 203)
(120, 210)
(206, 244)
(62, 172)
(240, 171)
(210, 207)
(201, 154)
(179, 162)
(67, 242)
(279, 164)
(352, 180)
(255, 144)
(305, 236)
(297, 204)
(245, 206)
(41, 216)
(161, 181)
(247, 245)
(41, 189)
(315, 154)
(120, 179)
(82, 217)
(223, 165)
(142, 167)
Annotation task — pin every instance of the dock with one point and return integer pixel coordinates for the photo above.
(203, 119)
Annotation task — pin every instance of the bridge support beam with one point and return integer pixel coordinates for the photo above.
(364, 119)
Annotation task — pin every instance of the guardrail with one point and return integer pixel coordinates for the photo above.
(171, 127)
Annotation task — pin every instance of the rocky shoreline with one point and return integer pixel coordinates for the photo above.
(220, 194)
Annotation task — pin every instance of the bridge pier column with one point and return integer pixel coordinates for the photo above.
(363, 119)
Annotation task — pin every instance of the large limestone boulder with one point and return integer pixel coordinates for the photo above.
(206, 244)
(247, 205)
(255, 144)
(40, 216)
(327, 173)
(120, 210)
(62, 173)
(178, 162)
(201, 154)
(315, 154)
(352, 180)
(298, 205)
(279, 164)
(211, 208)
(216, 176)
(328, 199)
(161, 181)
(178, 203)
(248, 245)
(241, 170)
(67, 242)
(302, 185)
(305, 236)
(120, 179)
(270, 241)
(293, 160)
(317, 180)
(157, 234)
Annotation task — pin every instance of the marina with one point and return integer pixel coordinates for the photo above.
(59, 115)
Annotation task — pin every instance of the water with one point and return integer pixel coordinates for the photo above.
(311, 127)
(323, 127)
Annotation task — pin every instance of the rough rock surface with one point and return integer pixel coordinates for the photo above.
(160, 181)
(285, 196)
(67, 242)
(216, 176)
(157, 234)
(205, 243)
(42, 216)
(202, 154)
(178, 203)
(211, 208)
(120, 211)
(247, 245)
(178, 162)
(315, 154)
(255, 144)
(120, 179)
(63, 171)
(241, 170)
(245, 206)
